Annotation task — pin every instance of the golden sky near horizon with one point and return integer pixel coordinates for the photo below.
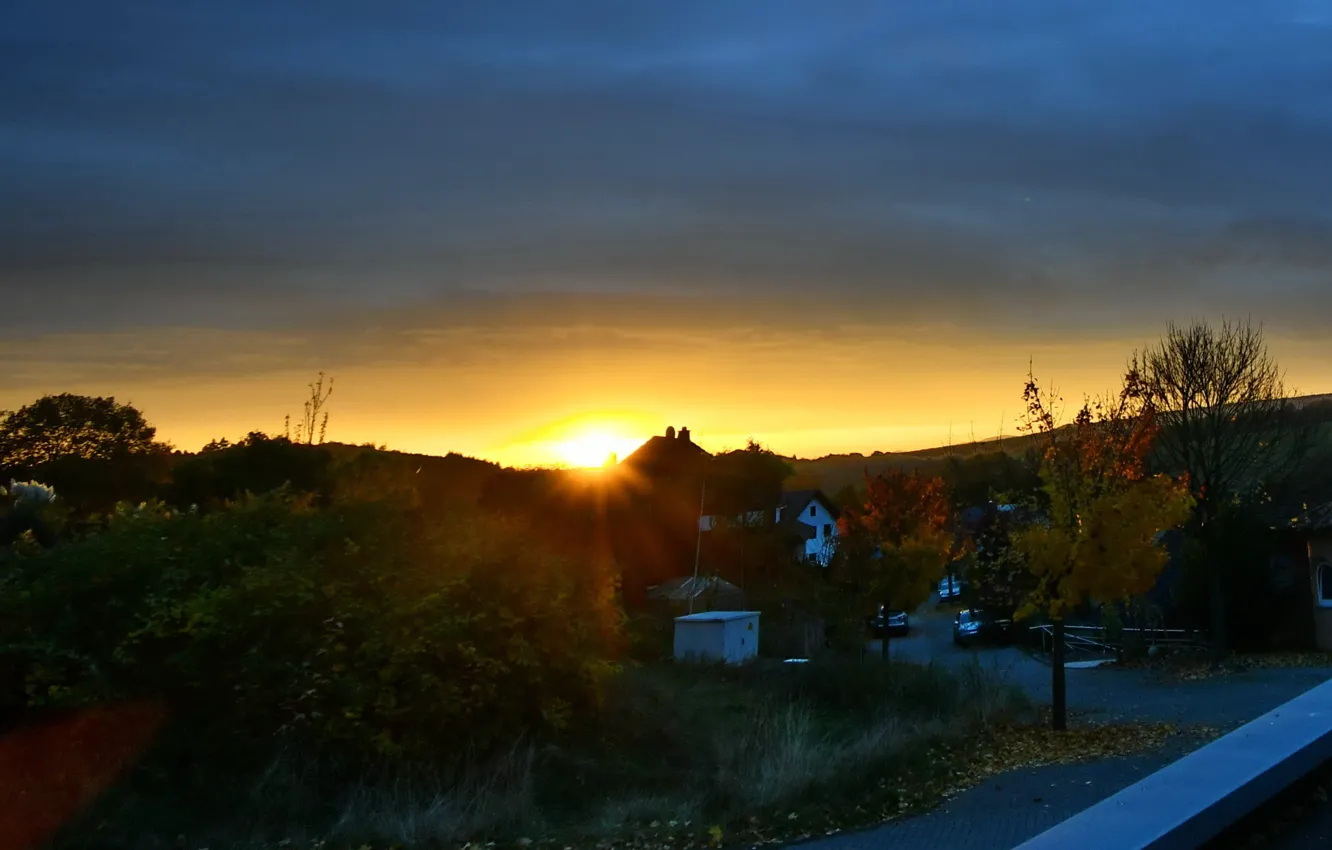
(801, 393)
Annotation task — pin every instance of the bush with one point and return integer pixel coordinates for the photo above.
(357, 628)
(651, 633)
(258, 464)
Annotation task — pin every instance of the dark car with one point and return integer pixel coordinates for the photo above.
(973, 626)
(950, 588)
(894, 622)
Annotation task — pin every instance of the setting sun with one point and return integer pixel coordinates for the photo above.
(594, 446)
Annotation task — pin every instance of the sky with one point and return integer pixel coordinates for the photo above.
(509, 227)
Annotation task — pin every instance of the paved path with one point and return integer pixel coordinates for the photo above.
(1006, 810)
(1009, 809)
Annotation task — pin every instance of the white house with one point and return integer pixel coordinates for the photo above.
(816, 511)
(812, 514)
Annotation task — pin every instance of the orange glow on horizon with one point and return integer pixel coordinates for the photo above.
(800, 395)
(584, 441)
(592, 448)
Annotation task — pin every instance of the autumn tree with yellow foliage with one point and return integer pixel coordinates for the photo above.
(893, 548)
(1106, 513)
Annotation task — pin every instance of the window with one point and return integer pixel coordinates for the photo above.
(827, 529)
(1325, 584)
(813, 510)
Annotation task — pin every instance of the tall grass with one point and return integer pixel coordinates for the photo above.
(496, 799)
(788, 752)
(678, 745)
(686, 744)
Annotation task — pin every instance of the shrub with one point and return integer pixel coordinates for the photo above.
(357, 626)
(258, 464)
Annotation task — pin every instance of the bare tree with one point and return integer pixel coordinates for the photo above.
(311, 419)
(1227, 420)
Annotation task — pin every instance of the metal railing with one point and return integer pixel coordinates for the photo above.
(1097, 640)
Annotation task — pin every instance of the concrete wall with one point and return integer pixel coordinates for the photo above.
(742, 639)
(700, 640)
(1320, 555)
(730, 636)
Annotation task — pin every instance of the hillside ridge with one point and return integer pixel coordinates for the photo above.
(835, 471)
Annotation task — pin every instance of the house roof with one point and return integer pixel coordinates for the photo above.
(716, 616)
(1316, 517)
(794, 502)
(1319, 517)
(661, 453)
(687, 587)
(1292, 516)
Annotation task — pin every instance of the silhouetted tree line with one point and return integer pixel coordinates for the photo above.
(1253, 457)
(96, 452)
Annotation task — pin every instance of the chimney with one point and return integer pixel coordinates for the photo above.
(684, 434)
(670, 432)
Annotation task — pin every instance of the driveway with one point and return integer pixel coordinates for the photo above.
(1110, 693)
(931, 640)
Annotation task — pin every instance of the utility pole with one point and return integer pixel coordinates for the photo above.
(698, 546)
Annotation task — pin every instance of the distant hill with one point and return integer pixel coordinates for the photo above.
(1318, 400)
(456, 477)
(833, 472)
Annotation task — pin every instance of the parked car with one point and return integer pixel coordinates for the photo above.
(895, 623)
(973, 626)
(950, 589)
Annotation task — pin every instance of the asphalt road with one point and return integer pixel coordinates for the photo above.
(931, 640)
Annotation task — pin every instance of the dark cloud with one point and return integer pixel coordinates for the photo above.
(205, 164)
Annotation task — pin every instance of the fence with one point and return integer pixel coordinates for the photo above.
(1100, 641)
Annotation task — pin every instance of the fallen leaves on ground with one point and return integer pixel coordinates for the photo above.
(1194, 667)
(1284, 659)
(1037, 746)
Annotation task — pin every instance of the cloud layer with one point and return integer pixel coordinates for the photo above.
(350, 178)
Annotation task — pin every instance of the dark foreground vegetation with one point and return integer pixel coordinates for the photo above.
(678, 754)
(353, 656)
(282, 641)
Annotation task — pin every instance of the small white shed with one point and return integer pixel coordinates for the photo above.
(729, 636)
